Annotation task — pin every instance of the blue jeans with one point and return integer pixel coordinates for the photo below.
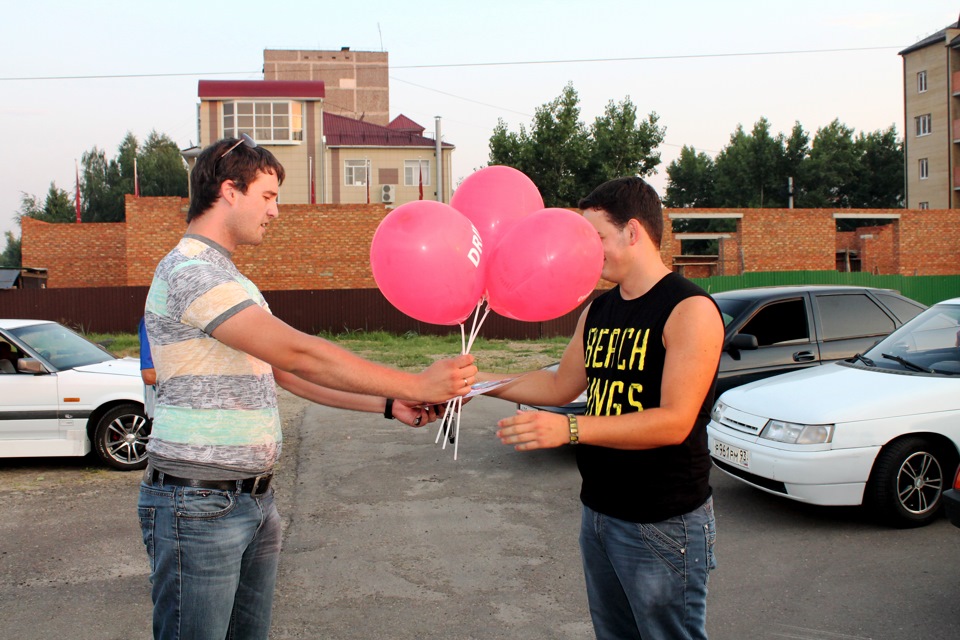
(648, 580)
(213, 561)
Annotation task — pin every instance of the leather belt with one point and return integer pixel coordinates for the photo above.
(256, 485)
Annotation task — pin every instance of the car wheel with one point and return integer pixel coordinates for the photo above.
(120, 439)
(907, 483)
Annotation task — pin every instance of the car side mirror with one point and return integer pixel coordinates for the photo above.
(741, 342)
(31, 366)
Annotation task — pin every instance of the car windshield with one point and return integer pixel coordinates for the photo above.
(929, 343)
(60, 346)
(731, 308)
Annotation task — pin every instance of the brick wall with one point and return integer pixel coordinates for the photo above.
(929, 243)
(328, 246)
(76, 255)
(308, 247)
(920, 242)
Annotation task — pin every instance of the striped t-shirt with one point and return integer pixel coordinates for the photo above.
(216, 415)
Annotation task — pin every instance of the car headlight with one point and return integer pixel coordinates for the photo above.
(716, 414)
(793, 433)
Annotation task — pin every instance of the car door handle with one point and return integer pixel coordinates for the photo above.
(804, 356)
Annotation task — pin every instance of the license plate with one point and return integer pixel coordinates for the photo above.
(735, 455)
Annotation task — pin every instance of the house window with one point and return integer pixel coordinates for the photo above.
(924, 205)
(924, 169)
(265, 122)
(412, 171)
(921, 82)
(924, 125)
(355, 173)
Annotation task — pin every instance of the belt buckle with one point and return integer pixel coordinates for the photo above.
(256, 483)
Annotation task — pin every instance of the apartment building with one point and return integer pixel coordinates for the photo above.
(324, 115)
(931, 95)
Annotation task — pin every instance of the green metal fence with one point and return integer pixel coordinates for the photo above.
(925, 289)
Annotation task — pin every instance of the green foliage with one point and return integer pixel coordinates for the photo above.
(692, 179)
(836, 170)
(57, 206)
(162, 172)
(11, 253)
(162, 169)
(408, 351)
(749, 170)
(566, 159)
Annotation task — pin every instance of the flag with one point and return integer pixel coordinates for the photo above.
(136, 179)
(420, 165)
(77, 198)
(313, 184)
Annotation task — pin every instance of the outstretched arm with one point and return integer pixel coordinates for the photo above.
(693, 337)
(544, 386)
(267, 338)
(414, 414)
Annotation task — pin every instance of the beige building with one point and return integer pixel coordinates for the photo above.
(357, 83)
(931, 91)
(324, 114)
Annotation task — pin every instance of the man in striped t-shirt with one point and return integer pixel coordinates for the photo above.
(206, 508)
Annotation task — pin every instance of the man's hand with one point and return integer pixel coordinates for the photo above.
(414, 414)
(447, 378)
(529, 430)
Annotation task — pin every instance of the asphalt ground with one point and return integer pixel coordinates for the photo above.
(387, 536)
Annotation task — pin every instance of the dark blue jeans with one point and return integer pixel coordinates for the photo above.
(648, 580)
(213, 561)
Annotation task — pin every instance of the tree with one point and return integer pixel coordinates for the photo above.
(98, 188)
(691, 181)
(565, 159)
(58, 206)
(11, 256)
(162, 172)
(749, 170)
(832, 167)
(162, 169)
(622, 146)
(879, 176)
(795, 153)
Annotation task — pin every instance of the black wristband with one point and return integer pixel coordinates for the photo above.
(388, 409)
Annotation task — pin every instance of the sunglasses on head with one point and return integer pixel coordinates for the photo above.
(244, 140)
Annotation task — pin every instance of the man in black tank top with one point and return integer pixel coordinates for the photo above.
(647, 352)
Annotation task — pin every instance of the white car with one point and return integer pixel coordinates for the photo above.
(62, 395)
(881, 429)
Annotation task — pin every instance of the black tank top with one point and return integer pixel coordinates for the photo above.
(624, 357)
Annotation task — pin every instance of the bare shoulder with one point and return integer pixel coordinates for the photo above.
(695, 319)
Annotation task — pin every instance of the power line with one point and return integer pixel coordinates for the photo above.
(641, 58)
(477, 64)
(136, 75)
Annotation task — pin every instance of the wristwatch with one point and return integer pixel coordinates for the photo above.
(574, 429)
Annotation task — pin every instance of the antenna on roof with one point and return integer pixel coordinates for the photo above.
(381, 36)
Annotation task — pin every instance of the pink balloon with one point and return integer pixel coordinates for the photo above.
(494, 198)
(426, 259)
(546, 265)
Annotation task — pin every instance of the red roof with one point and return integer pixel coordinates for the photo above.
(341, 131)
(403, 123)
(261, 89)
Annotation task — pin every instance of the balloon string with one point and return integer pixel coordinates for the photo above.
(474, 332)
(449, 413)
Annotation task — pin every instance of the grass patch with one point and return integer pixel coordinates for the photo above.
(408, 351)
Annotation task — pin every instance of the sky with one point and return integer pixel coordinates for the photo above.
(78, 75)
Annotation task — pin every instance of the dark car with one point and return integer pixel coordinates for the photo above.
(773, 330)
